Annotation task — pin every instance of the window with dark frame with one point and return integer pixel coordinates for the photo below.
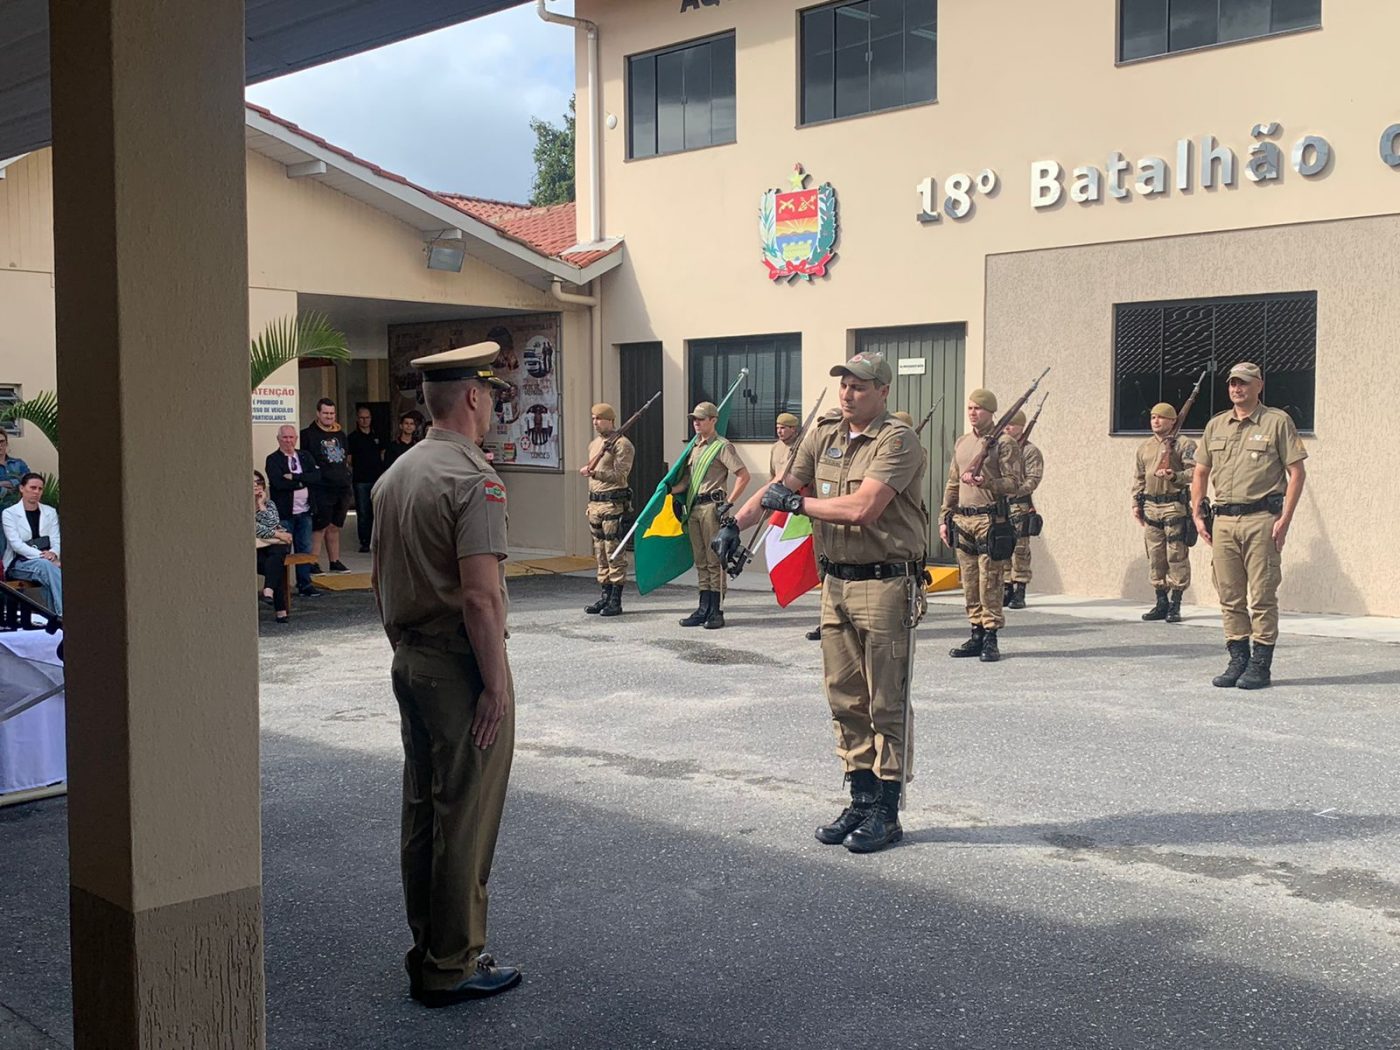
(681, 98)
(868, 56)
(773, 385)
(1147, 28)
(10, 393)
(1159, 350)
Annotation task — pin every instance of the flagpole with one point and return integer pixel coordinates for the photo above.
(622, 544)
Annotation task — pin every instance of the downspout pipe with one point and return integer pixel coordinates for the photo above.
(595, 324)
(595, 127)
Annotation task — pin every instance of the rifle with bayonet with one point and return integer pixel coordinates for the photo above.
(744, 555)
(611, 439)
(1026, 434)
(1169, 438)
(989, 442)
(925, 421)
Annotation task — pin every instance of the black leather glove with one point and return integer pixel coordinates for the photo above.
(724, 510)
(678, 506)
(780, 497)
(726, 542)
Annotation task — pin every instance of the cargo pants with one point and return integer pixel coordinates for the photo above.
(1164, 536)
(605, 525)
(702, 526)
(982, 578)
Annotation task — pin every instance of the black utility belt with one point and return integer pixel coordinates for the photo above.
(611, 496)
(1019, 500)
(880, 570)
(717, 496)
(1272, 503)
(1179, 497)
(973, 512)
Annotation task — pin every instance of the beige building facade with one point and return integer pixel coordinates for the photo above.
(1083, 189)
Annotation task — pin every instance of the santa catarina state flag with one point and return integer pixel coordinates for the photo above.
(791, 557)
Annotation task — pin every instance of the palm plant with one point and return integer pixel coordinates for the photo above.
(288, 338)
(42, 411)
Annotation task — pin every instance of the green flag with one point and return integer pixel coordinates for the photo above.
(662, 548)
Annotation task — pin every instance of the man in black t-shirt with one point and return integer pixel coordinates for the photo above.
(366, 464)
(325, 442)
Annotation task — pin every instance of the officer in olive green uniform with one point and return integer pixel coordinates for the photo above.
(713, 461)
(864, 471)
(1022, 503)
(972, 503)
(609, 500)
(1160, 497)
(438, 573)
(1253, 459)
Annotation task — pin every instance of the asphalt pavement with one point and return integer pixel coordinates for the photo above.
(1101, 849)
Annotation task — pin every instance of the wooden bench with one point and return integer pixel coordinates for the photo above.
(289, 582)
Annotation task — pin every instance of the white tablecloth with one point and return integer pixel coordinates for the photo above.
(32, 743)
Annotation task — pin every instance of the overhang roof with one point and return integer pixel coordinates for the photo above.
(283, 36)
(534, 245)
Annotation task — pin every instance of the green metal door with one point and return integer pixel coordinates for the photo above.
(927, 361)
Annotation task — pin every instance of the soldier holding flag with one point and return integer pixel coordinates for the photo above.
(712, 461)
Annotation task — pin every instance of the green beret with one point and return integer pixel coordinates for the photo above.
(1164, 410)
(1019, 419)
(787, 419)
(983, 399)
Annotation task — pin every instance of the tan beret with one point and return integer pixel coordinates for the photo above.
(787, 419)
(1019, 419)
(1164, 410)
(983, 399)
(603, 410)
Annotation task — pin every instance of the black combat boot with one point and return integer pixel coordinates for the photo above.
(1158, 611)
(715, 620)
(1018, 596)
(1239, 660)
(1174, 607)
(701, 613)
(815, 634)
(1258, 674)
(880, 828)
(600, 604)
(973, 646)
(990, 654)
(865, 792)
(614, 606)
(1008, 591)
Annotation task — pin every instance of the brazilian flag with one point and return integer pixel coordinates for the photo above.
(662, 548)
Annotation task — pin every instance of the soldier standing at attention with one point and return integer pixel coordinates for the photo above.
(863, 469)
(1022, 506)
(609, 500)
(1252, 457)
(1159, 505)
(438, 549)
(713, 461)
(971, 502)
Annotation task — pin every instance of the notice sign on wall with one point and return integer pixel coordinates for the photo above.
(526, 431)
(275, 404)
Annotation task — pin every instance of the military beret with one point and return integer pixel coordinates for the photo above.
(1164, 410)
(603, 410)
(903, 417)
(1019, 419)
(787, 419)
(463, 362)
(984, 399)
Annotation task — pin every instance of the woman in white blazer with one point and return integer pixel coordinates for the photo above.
(33, 543)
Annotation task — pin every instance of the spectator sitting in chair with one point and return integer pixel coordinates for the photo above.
(273, 543)
(11, 470)
(32, 541)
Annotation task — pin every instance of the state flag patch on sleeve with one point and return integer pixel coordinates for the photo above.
(495, 492)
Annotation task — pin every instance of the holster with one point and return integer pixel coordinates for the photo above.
(1001, 539)
(1207, 513)
(1192, 533)
(1030, 524)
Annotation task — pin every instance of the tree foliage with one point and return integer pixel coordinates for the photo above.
(554, 160)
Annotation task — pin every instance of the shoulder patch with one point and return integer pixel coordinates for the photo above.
(495, 491)
(897, 443)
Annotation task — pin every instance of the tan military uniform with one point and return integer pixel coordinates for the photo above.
(703, 522)
(973, 508)
(440, 504)
(865, 623)
(609, 500)
(1165, 510)
(1248, 460)
(777, 459)
(1023, 505)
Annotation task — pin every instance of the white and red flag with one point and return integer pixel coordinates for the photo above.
(791, 556)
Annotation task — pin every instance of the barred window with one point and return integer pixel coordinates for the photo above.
(773, 385)
(1160, 27)
(1160, 349)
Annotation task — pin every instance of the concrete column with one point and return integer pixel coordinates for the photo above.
(150, 225)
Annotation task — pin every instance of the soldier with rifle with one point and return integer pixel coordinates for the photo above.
(863, 469)
(1023, 513)
(1162, 475)
(789, 429)
(608, 469)
(985, 470)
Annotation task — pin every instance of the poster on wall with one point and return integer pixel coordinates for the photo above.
(527, 432)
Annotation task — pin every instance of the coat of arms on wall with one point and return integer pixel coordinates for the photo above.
(798, 228)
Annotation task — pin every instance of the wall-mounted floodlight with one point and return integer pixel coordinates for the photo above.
(445, 251)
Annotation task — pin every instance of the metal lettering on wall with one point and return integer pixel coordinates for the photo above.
(1202, 163)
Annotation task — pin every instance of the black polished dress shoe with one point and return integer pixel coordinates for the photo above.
(488, 980)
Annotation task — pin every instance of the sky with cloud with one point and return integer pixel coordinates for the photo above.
(449, 110)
